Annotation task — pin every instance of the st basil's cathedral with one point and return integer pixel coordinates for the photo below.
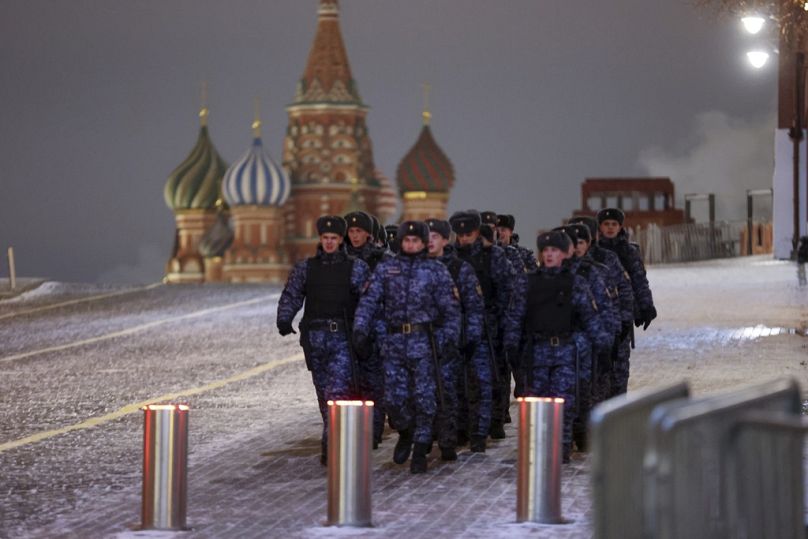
(252, 220)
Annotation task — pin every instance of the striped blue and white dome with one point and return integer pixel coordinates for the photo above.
(255, 180)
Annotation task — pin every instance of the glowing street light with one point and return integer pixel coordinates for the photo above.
(757, 58)
(753, 23)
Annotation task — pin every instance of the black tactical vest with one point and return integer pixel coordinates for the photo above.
(328, 290)
(549, 304)
(482, 267)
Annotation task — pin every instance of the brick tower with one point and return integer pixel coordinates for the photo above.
(327, 150)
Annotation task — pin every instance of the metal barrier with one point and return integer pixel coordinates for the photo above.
(690, 242)
(764, 468)
(618, 442)
(538, 479)
(687, 487)
(165, 466)
(350, 432)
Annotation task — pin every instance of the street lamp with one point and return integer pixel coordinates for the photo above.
(753, 23)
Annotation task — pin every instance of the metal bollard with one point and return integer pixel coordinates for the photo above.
(350, 431)
(538, 480)
(165, 466)
(12, 269)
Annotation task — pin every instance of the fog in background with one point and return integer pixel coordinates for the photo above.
(100, 98)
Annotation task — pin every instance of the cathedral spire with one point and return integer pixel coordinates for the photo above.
(427, 115)
(327, 77)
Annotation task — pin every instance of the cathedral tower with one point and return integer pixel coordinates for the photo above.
(327, 150)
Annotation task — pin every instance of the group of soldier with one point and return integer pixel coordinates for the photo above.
(437, 320)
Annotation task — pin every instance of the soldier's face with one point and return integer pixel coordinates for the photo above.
(610, 228)
(330, 242)
(581, 247)
(551, 257)
(504, 234)
(412, 245)
(436, 244)
(358, 236)
(468, 238)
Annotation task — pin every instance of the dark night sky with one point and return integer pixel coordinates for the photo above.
(100, 98)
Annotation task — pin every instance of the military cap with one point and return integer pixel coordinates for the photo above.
(333, 224)
(487, 232)
(569, 231)
(414, 228)
(440, 226)
(611, 213)
(392, 233)
(464, 222)
(554, 238)
(590, 222)
(581, 230)
(360, 219)
(506, 221)
(488, 218)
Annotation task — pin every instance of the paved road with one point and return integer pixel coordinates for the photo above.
(76, 360)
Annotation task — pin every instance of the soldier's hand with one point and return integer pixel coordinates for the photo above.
(512, 357)
(648, 316)
(362, 345)
(285, 328)
(625, 331)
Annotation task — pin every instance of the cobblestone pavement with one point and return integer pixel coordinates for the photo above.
(73, 353)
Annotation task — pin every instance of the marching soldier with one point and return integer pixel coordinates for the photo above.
(416, 298)
(520, 257)
(330, 284)
(496, 276)
(455, 370)
(361, 244)
(615, 238)
(554, 305)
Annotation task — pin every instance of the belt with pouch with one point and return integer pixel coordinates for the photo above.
(407, 328)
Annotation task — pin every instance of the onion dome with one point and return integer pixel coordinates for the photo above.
(217, 239)
(255, 179)
(425, 168)
(196, 182)
(387, 199)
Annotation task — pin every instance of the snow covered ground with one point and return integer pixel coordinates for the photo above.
(75, 360)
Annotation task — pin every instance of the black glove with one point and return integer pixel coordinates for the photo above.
(362, 345)
(469, 349)
(512, 357)
(285, 328)
(625, 331)
(648, 316)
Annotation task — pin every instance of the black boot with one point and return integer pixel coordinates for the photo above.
(403, 447)
(462, 438)
(507, 416)
(419, 453)
(477, 444)
(497, 431)
(566, 451)
(448, 453)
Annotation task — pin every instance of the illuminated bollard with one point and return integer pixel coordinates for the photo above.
(165, 466)
(538, 473)
(350, 432)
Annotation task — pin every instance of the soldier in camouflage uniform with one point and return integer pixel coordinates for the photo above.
(330, 284)
(614, 238)
(520, 257)
(619, 285)
(454, 417)
(391, 232)
(593, 274)
(361, 244)
(554, 305)
(496, 276)
(417, 299)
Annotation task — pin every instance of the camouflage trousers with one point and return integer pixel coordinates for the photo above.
(474, 390)
(446, 418)
(409, 388)
(371, 385)
(329, 360)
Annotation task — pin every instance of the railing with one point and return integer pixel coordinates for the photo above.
(698, 241)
